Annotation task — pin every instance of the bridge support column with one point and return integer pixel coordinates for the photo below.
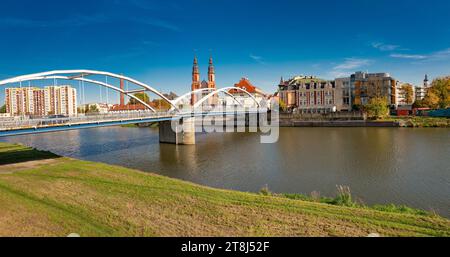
(179, 132)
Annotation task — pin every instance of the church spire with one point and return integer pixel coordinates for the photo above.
(211, 71)
(195, 71)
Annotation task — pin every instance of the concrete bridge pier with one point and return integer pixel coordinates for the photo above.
(179, 132)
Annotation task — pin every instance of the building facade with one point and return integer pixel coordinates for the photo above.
(345, 84)
(32, 101)
(401, 97)
(421, 91)
(60, 100)
(308, 94)
(242, 97)
(196, 84)
(19, 101)
(370, 85)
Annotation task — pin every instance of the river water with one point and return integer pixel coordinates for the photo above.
(380, 165)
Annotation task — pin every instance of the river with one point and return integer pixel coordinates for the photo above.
(380, 165)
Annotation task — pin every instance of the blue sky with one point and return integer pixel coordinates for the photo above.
(155, 41)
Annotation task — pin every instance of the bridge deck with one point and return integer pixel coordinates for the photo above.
(33, 126)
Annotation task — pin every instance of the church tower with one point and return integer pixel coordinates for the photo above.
(195, 80)
(211, 74)
(212, 82)
(426, 83)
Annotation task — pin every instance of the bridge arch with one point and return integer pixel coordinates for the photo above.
(80, 74)
(176, 101)
(225, 90)
(97, 83)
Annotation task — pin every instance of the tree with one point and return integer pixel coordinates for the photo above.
(3, 109)
(282, 104)
(92, 109)
(407, 93)
(377, 108)
(440, 92)
(431, 100)
(142, 96)
(420, 104)
(161, 104)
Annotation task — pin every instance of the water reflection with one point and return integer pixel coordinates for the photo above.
(381, 165)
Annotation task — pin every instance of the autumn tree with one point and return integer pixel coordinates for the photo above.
(377, 108)
(440, 92)
(141, 96)
(161, 104)
(282, 105)
(406, 91)
(431, 100)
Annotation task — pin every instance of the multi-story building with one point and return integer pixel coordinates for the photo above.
(24, 101)
(421, 91)
(370, 85)
(400, 95)
(60, 100)
(308, 94)
(32, 101)
(345, 84)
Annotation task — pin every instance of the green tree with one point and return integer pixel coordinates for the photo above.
(142, 96)
(407, 93)
(440, 92)
(377, 108)
(93, 109)
(419, 104)
(283, 106)
(161, 104)
(3, 109)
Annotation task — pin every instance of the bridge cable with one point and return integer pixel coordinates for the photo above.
(101, 96)
(82, 84)
(107, 91)
(128, 107)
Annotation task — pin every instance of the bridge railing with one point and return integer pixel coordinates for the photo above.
(25, 122)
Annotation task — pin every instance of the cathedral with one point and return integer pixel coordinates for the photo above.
(196, 84)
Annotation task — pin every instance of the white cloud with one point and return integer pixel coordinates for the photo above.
(385, 47)
(351, 64)
(257, 58)
(435, 56)
(409, 56)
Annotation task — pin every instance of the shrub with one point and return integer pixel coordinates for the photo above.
(377, 108)
(344, 197)
(265, 191)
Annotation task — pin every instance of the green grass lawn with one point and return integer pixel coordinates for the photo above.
(66, 196)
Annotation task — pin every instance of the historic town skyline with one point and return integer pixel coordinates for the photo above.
(262, 45)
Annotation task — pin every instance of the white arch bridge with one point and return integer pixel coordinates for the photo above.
(178, 112)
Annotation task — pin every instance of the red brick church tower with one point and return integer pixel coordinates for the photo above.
(195, 80)
(211, 74)
(196, 84)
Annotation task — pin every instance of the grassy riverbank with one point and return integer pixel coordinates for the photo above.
(421, 122)
(55, 196)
